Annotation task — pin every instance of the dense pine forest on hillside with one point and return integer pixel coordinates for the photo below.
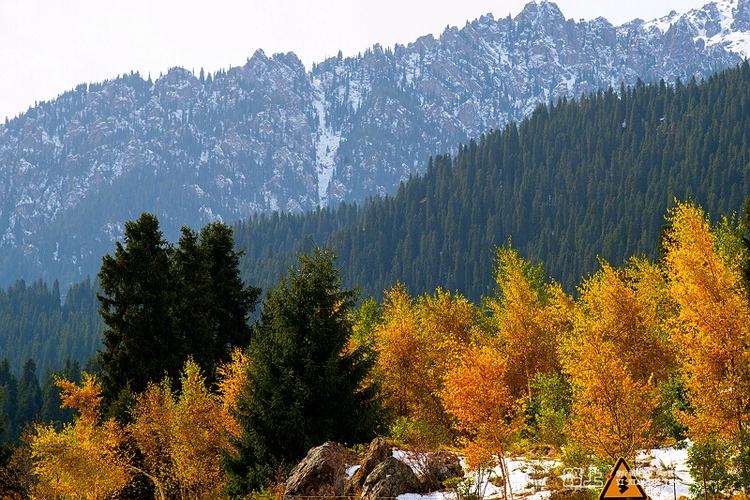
(578, 180)
(36, 324)
(640, 360)
(510, 360)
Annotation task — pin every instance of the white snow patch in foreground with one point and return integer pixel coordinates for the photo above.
(662, 472)
(351, 470)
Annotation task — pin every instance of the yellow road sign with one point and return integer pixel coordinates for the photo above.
(622, 484)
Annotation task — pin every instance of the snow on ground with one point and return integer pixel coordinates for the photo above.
(662, 472)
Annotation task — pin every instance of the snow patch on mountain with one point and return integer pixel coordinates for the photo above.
(714, 24)
(326, 146)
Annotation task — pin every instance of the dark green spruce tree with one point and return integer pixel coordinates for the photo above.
(162, 304)
(29, 404)
(303, 387)
(9, 388)
(140, 342)
(213, 303)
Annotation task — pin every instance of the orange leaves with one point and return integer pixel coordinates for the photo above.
(417, 343)
(614, 355)
(476, 392)
(711, 327)
(477, 395)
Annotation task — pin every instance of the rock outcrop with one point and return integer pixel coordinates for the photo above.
(438, 466)
(390, 479)
(378, 451)
(322, 472)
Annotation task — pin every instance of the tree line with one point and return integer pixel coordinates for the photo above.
(646, 354)
(36, 324)
(578, 180)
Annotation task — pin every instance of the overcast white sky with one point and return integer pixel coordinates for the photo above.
(49, 46)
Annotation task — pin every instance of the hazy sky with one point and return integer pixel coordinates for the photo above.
(49, 46)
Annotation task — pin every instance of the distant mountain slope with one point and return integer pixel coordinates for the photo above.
(272, 136)
(578, 181)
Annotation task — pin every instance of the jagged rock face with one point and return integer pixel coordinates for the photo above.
(390, 479)
(378, 451)
(272, 136)
(322, 472)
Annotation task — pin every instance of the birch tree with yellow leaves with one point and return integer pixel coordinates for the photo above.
(712, 325)
(179, 437)
(521, 321)
(476, 393)
(85, 460)
(615, 356)
(418, 342)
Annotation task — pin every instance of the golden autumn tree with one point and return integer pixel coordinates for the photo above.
(521, 320)
(477, 394)
(85, 459)
(712, 325)
(418, 342)
(615, 355)
(181, 436)
(401, 352)
(232, 376)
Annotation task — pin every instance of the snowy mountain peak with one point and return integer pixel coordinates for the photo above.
(270, 135)
(541, 13)
(722, 25)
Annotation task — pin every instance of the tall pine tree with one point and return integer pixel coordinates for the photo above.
(304, 387)
(164, 304)
(140, 341)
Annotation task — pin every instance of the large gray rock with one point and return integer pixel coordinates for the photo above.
(435, 467)
(322, 472)
(389, 479)
(379, 450)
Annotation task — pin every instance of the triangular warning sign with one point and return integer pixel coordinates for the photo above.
(621, 484)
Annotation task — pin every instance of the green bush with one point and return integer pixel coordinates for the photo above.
(711, 466)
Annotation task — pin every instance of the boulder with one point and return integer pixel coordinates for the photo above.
(322, 472)
(436, 467)
(389, 479)
(379, 450)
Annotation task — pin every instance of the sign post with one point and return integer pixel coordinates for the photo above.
(621, 484)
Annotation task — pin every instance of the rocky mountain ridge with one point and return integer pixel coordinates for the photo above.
(271, 135)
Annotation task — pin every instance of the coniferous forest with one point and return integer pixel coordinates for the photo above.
(577, 181)
(551, 284)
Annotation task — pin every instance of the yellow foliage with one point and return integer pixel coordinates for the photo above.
(477, 395)
(418, 343)
(232, 377)
(199, 434)
(521, 320)
(711, 327)
(614, 356)
(85, 459)
(181, 438)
